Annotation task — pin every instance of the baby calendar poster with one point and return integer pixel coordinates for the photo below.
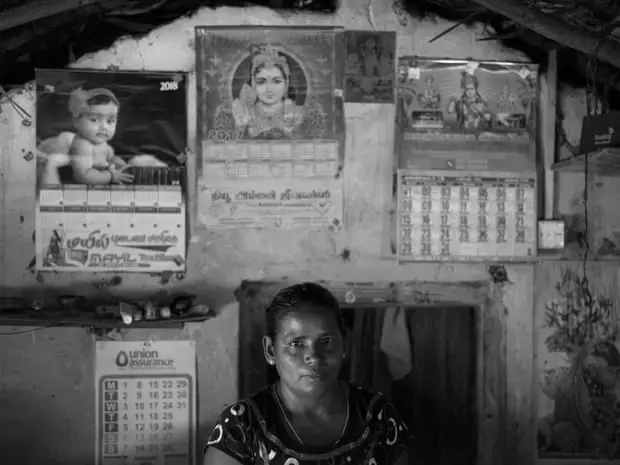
(111, 170)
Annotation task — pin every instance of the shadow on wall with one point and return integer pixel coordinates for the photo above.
(28, 434)
(28, 440)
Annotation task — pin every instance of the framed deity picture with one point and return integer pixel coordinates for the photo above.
(274, 83)
(466, 114)
(370, 67)
(270, 109)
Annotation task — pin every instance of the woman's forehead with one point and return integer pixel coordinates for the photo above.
(306, 317)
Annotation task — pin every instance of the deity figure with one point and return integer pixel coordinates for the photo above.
(430, 98)
(266, 106)
(370, 53)
(471, 109)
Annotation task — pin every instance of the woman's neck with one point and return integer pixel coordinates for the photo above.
(331, 399)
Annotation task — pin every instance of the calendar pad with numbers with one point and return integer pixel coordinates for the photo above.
(466, 216)
(146, 403)
(269, 159)
(110, 228)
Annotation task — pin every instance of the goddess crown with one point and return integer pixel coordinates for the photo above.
(269, 56)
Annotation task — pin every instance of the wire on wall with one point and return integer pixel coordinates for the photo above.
(592, 105)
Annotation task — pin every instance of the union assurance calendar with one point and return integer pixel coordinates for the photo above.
(478, 216)
(145, 403)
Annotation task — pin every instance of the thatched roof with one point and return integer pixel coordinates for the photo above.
(585, 33)
(53, 33)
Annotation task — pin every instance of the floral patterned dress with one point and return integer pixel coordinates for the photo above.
(255, 432)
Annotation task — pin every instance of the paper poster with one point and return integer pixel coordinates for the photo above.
(270, 111)
(111, 176)
(287, 204)
(145, 403)
(457, 114)
(370, 67)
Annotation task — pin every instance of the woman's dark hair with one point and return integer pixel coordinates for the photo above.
(292, 297)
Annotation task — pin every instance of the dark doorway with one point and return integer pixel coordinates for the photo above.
(438, 397)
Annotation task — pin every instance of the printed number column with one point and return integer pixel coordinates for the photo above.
(425, 231)
(483, 226)
(406, 227)
(520, 216)
(444, 249)
(110, 428)
(139, 407)
(500, 220)
(464, 220)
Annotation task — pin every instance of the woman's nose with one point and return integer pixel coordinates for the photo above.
(312, 357)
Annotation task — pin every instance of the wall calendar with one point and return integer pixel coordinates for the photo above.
(270, 127)
(111, 175)
(145, 403)
(450, 216)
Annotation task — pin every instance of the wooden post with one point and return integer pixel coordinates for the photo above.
(546, 132)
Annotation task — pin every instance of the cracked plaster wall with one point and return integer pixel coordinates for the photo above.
(46, 377)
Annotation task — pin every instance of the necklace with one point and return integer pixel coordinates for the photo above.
(290, 425)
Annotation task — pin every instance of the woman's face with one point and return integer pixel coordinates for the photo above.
(270, 85)
(308, 349)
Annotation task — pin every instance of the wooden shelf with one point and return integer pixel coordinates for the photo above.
(573, 459)
(604, 162)
(85, 320)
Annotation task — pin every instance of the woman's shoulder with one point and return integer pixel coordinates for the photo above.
(250, 410)
(368, 399)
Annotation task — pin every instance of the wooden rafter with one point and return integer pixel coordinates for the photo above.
(38, 9)
(604, 49)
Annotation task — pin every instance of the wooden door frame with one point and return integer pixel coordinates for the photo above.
(485, 297)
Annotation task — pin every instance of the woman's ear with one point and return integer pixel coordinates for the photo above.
(268, 350)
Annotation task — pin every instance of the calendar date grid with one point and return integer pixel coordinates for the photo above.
(443, 218)
(144, 415)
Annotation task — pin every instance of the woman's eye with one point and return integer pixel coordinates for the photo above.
(296, 344)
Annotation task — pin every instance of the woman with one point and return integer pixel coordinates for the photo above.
(266, 108)
(308, 416)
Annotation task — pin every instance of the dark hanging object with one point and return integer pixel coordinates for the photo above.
(498, 273)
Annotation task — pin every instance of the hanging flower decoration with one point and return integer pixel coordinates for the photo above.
(575, 318)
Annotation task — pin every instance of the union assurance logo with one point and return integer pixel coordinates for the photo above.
(122, 360)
